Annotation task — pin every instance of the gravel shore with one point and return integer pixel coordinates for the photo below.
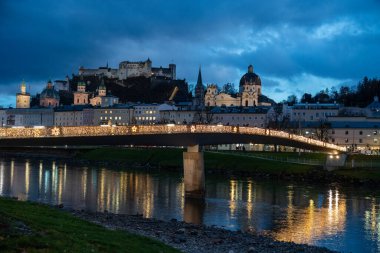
(194, 238)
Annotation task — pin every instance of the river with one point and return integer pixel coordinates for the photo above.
(339, 218)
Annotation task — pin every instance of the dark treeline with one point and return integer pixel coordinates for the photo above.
(361, 95)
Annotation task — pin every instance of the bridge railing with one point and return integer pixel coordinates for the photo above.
(73, 131)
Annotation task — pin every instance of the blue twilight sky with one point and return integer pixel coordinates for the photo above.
(295, 46)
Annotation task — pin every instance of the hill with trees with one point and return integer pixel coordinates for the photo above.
(360, 96)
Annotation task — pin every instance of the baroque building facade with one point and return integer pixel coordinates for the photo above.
(103, 99)
(248, 95)
(81, 97)
(49, 96)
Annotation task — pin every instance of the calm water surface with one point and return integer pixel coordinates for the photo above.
(344, 219)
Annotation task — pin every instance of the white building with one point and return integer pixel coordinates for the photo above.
(63, 85)
(117, 115)
(358, 133)
(302, 113)
(3, 117)
(30, 117)
(252, 116)
(177, 116)
(69, 116)
(146, 114)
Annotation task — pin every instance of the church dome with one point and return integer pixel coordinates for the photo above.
(49, 92)
(250, 77)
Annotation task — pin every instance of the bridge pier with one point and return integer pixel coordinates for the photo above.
(335, 161)
(193, 210)
(194, 173)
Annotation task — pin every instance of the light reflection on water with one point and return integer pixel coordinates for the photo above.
(345, 219)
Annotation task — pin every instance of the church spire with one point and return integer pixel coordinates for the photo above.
(199, 82)
(199, 91)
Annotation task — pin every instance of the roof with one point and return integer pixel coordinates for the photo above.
(315, 106)
(49, 92)
(250, 78)
(375, 105)
(71, 108)
(355, 124)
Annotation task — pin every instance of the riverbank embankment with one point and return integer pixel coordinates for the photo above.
(32, 227)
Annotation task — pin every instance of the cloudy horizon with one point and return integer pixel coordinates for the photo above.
(294, 46)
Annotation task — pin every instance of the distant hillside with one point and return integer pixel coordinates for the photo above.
(137, 89)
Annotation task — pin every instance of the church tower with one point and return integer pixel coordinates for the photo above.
(199, 101)
(81, 96)
(102, 90)
(23, 98)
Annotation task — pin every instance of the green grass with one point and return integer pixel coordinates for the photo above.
(251, 164)
(233, 161)
(366, 158)
(360, 173)
(295, 155)
(173, 158)
(52, 230)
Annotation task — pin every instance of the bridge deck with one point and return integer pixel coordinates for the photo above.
(162, 135)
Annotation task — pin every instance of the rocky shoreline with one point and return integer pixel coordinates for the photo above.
(192, 238)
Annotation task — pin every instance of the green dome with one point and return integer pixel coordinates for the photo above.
(49, 92)
(102, 86)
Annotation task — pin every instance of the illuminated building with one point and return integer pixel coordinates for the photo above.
(23, 97)
(81, 96)
(30, 117)
(147, 114)
(49, 96)
(249, 93)
(116, 115)
(103, 99)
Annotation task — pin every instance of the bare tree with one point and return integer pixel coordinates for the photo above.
(322, 131)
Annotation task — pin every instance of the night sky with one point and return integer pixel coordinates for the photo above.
(295, 46)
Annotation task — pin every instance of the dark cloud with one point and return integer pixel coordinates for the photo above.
(278, 90)
(284, 40)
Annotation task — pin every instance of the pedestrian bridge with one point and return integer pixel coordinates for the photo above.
(160, 135)
(190, 136)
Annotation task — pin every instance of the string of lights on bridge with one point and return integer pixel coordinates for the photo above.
(108, 130)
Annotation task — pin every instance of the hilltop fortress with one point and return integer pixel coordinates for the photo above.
(131, 69)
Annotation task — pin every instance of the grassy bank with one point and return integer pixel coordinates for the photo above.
(31, 227)
(172, 158)
(234, 162)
